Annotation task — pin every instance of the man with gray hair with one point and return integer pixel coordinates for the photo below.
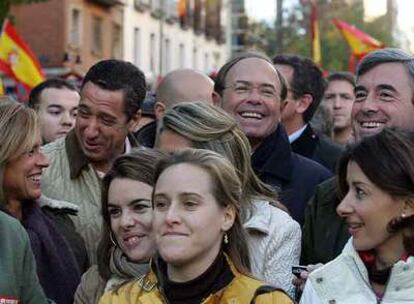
(384, 97)
(252, 90)
(182, 85)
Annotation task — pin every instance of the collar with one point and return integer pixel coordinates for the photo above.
(78, 160)
(45, 201)
(295, 135)
(274, 156)
(260, 219)
(128, 146)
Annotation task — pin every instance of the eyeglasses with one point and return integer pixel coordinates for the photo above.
(245, 89)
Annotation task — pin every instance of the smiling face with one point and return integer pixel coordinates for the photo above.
(367, 210)
(339, 98)
(188, 221)
(130, 211)
(383, 97)
(102, 125)
(57, 112)
(22, 175)
(256, 111)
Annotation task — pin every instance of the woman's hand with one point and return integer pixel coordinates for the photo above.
(300, 281)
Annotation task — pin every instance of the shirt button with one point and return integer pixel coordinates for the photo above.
(332, 302)
(397, 288)
(405, 268)
(319, 280)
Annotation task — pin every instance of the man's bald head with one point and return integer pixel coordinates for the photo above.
(184, 85)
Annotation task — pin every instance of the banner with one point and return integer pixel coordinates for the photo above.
(360, 42)
(316, 42)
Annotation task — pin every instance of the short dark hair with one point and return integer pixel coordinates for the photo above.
(307, 79)
(341, 76)
(220, 80)
(114, 75)
(387, 160)
(55, 83)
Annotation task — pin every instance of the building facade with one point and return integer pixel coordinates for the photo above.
(68, 36)
(164, 35)
(156, 35)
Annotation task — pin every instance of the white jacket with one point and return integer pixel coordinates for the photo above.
(345, 281)
(274, 245)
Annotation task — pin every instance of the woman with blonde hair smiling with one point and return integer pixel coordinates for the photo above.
(273, 236)
(203, 254)
(59, 251)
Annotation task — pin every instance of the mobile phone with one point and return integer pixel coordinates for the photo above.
(297, 269)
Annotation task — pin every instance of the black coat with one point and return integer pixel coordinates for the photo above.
(146, 135)
(293, 175)
(318, 148)
(324, 233)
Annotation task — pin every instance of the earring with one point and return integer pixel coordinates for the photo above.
(226, 239)
(403, 215)
(112, 239)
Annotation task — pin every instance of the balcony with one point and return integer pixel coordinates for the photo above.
(106, 3)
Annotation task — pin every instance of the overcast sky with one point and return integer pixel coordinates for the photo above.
(261, 9)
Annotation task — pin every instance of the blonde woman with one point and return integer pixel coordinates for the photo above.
(59, 251)
(203, 254)
(274, 237)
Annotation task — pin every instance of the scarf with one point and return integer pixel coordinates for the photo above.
(214, 279)
(56, 265)
(120, 266)
(378, 276)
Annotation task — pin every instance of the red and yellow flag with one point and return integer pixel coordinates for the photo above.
(17, 60)
(360, 42)
(316, 42)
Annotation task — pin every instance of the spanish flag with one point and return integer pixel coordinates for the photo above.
(360, 42)
(316, 42)
(17, 60)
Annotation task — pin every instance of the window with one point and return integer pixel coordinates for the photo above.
(155, 5)
(153, 51)
(117, 42)
(181, 55)
(167, 56)
(97, 42)
(75, 28)
(195, 55)
(206, 62)
(137, 47)
(171, 8)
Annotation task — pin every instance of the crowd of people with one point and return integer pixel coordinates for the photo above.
(268, 184)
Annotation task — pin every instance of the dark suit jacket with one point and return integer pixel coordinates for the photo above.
(324, 233)
(146, 135)
(318, 148)
(295, 176)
